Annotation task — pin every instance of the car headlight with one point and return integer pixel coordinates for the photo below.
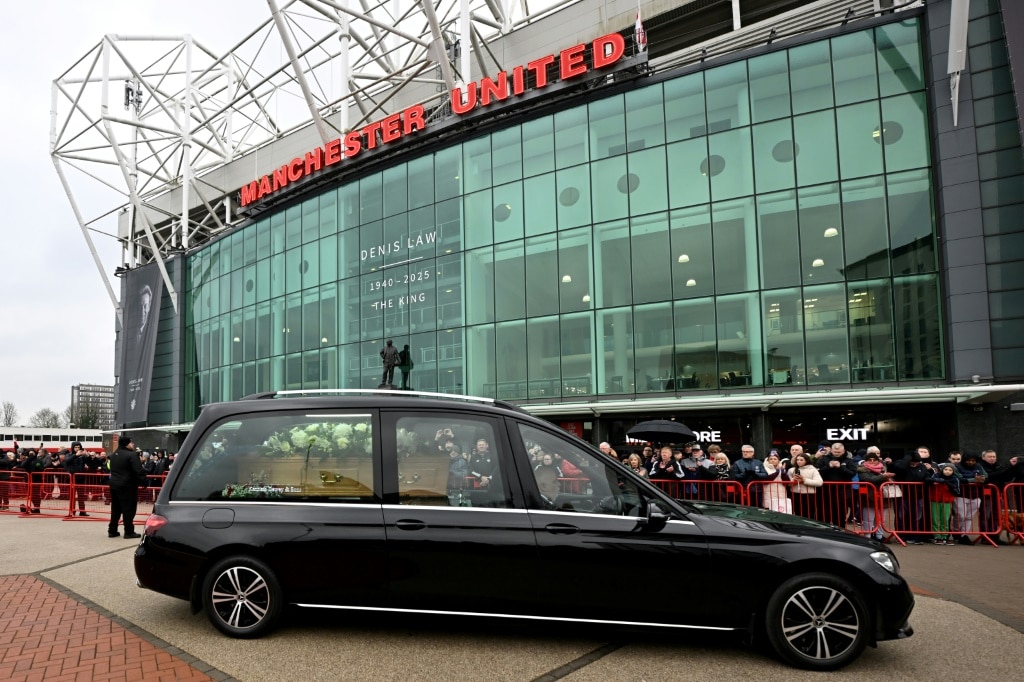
(885, 560)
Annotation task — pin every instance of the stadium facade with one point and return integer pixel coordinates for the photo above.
(780, 222)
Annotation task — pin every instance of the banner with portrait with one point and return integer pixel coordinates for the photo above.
(143, 289)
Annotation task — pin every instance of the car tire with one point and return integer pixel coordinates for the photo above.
(242, 597)
(817, 621)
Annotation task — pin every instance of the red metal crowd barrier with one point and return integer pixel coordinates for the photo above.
(708, 491)
(921, 511)
(853, 506)
(13, 492)
(1012, 518)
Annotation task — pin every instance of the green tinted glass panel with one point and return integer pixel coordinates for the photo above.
(729, 164)
(538, 146)
(645, 118)
(860, 140)
(774, 156)
(646, 183)
(905, 132)
(605, 177)
(687, 184)
(684, 108)
(540, 204)
(853, 67)
(899, 58)
(769, 87)
(607, 127)
(571, 137)
(810, 77)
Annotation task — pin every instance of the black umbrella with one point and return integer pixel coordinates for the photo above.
(662, 431)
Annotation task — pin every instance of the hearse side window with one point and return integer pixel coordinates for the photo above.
(283, 457)
(449, 461)
(571, 479)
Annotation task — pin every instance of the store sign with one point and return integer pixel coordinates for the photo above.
(708, 436)
(571, 62)
(846, 434)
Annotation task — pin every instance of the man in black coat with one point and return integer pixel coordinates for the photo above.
(74, 464)
(837, 470)
(126, 476)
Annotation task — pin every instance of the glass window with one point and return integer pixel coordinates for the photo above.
(726, 94)
(573, 190)
(540, 204)
(543, 358)
(328, 317)
(506, 155)
(646, 181)
(328, 259)
(310, 220)
(277, 238)
(508, 212)
(645, 118)
(994, 109)
(780, 240)
(1003, 135)
(769, 87)
(867, 246)
(448, 218)
(1003, 276)
(262, 235)
(899, 58)
(904, 136)
(510, 361)
(478, 212)
(577, 345)
(370, 198)
(692, 263)
(1008, 362)
(396, 190)
(421, 182)
(283, 456)
(653, 347)
(810, 76)
(987, 56)
(774, 156)
(735, 235)
(729, 164)
(612, 264)
(869, 314)
(348, 206)
(292, 232)
(479, 271)
(448, 173)
(372, 247)
(538, 147)
(684, 104)
(615, 350)
(592, 486)
(309, 266)
(821, 254)
(293, 270)
(853, 67)
(449, 462)
(1003, 219)
(348, 254)
(828, 353)
(249, 285)
(574, 259)
(449, 291)
(784, 337)
(651, 256)
(606, 177)
(1002, 191)
(1007, 333)
(816, 157)
(510, 280)
(607, 127)
(860, 136)
(739, 338)
(1006, 304)
(695, 358)
(916, 318)
(911, 223)
(688, 183)
(542, 275)
(571, 137)
(476, 161)
(293, 323)
(1004, 248)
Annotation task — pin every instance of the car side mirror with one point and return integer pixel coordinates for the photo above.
(655, 517)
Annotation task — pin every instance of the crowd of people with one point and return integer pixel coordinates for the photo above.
(83, 466)
(948, 507)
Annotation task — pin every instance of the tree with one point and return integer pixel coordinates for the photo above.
(68, 417)
(87, 416)
(8, 414)
(45, 419)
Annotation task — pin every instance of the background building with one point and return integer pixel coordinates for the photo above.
(92, 406)
(775, 224)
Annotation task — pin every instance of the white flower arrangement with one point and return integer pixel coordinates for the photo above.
(324, 440)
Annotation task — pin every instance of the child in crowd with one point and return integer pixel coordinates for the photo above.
(945, 488)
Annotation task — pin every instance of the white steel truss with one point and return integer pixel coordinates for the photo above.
(139, 123)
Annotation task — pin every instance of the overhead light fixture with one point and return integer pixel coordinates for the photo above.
(691, 282)
(831, 232)
(683, 258)
(586, 298)
(236, 340)
(817, 263)
(323, 340)
(566, 279)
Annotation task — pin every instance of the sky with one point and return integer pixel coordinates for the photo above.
(58, 317)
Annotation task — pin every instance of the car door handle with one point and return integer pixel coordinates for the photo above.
(410, 525)
(561, 529)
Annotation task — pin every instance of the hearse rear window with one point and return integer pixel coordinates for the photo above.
(283, 457)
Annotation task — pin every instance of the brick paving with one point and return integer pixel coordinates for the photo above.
(47, 635)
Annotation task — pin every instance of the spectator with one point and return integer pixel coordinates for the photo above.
(125, 478)
(946, 487)
(837, 471)
(719, 473)
(33, 466)
(648, 457)
(774, 495)
(695, 460)
(968, 502)
(910, 516)
(547, 475)
(482, 463)
(998, 475)
(872, 470)
(6, 466)
(636, 465)
(666, 468)
(747, 469)
(74, 464)
(806, 482)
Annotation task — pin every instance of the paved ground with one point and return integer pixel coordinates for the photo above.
(71, 612)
